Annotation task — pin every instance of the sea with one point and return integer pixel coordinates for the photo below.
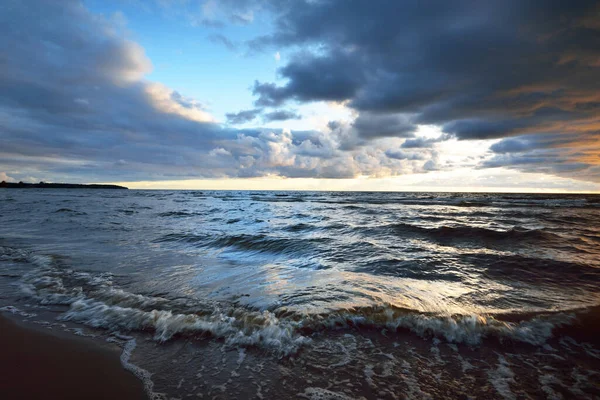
(316, 295)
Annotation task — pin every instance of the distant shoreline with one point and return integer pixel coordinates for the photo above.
(43, 185)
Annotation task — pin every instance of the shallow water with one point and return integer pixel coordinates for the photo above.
(321, 295)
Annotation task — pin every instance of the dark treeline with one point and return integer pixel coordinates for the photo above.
(43, 185)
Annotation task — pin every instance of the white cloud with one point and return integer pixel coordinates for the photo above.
(164, 100)
(219, 151)
(6, 178)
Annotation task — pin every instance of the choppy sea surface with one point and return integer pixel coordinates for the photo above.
(319, 295)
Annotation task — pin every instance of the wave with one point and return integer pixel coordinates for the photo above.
(299, 227)
(92, 300)
(264, 243)
(538, 271)
(253, 329)
(127, 211)
(470, 329)
(444, 232)
(70, 211)
(178, 214)
(496, 202)
(250, 243)
(181, 237)
(277, 199)
(466, 203)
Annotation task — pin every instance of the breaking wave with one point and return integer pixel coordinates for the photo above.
(92, 300)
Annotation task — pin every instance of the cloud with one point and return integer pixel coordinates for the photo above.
(84, 103)
(369, 125)
(210, 23)
(85, 111)
(243, 116)
(6, 178)
(312, 78)
(480, 71)
(423, 142)
(574, 156)
(169, 101)
(242, 17)
(430, 165)
(246, 116)
(223, 40)
(310, 154)
(511, 145)
(76, 102)
(280, 115)
(219, 151)
(401, 155)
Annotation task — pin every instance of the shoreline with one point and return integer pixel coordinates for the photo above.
(36, 364)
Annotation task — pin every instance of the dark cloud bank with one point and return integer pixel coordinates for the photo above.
(74, 101)
(481, 70)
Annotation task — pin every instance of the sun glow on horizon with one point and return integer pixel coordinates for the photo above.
(441, 181)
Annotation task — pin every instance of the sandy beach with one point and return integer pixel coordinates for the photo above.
(41, 365)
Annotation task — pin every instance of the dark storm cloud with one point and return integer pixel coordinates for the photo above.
(574, 155)
(370, 125)
(511, 145)
(312, 78)
(481, 70)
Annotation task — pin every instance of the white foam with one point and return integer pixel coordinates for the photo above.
(16, 311)
(387, 369)
(580, 380)
(115, 309)
(346, 351)
(80, 332)
(435, 350)
(140, 373)
(112, 296)
(369, 373)
(501, 378)
(315, 393)
(546, 381)
(266, 331)
(414, 389)
(469, 329)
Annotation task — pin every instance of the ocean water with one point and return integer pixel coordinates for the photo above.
(319, 295)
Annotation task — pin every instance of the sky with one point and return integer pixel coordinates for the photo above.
(302, 94)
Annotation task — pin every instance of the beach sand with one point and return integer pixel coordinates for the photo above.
(45, 365)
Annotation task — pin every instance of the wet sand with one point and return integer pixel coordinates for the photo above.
(45, 365)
